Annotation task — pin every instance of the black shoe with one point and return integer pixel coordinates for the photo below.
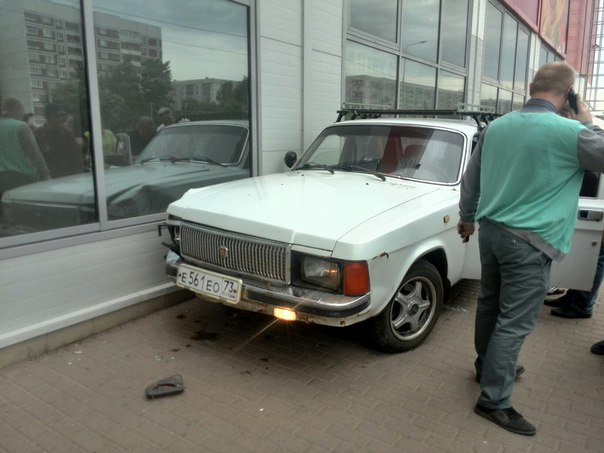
(570, 313)
(598, 348)
(519, 370)
(508, 419)
(562, 301)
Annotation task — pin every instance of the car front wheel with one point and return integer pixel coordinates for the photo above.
(412, 313)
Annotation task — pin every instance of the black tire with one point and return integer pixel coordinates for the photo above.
(412, 313)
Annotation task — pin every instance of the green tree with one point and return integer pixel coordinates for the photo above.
(156, 85)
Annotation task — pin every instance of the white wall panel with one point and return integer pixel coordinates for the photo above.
(51, 290)
(291, 118)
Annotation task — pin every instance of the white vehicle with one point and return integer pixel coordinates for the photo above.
(362, 229)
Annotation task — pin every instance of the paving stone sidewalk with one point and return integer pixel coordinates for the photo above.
(256, 385)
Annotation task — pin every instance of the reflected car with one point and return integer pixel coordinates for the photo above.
(180, 157)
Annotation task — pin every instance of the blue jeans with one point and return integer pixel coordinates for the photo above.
(514, 281)
(583, 301)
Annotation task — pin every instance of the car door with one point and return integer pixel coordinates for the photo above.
(577, 269)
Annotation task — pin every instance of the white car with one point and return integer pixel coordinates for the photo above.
(362, 229)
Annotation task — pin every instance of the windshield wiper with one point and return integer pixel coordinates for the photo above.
(160, 158)
(203, 159)
(174, 159)
(364, 170)
(313, 166)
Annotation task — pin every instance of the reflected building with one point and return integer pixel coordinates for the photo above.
(370, 91)
(201, 90)
(365, 91)
(42, 45)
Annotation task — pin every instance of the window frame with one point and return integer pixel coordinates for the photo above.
(352, 34)
(35, 242)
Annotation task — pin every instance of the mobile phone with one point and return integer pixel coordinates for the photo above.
(572, 100)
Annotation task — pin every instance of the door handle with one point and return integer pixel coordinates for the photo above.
(588, 214)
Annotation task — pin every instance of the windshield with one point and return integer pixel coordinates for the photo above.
(206, 143)
(404, 151)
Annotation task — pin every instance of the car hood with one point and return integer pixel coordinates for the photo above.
(79, 189)
(313, 208)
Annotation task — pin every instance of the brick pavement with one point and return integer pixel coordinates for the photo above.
(257, 385)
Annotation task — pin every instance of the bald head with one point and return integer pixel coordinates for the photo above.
(555, 78)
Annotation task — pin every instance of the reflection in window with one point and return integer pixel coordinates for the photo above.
(376, 18)
(454, 30)
(504, 104)
(517, 102)
(370, 77)
(492, 41)
(43, 174)
(450, 90)
(162, 66)
(508, 51)
(488, 96)
(144, 56)
(420, 29)
(418, 86)
(521, 61)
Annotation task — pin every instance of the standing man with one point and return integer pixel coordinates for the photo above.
(522, 186)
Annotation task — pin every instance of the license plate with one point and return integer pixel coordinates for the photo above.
(209, 283)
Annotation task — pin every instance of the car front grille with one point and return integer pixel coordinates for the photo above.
(243, 254)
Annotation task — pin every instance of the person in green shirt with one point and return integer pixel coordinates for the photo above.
(20, 159)
(522, 185)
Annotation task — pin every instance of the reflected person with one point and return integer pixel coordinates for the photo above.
(61, 149)
(143, 133)
(20, 159)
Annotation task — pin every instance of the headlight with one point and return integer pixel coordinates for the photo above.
(173, 224)
(320, 272)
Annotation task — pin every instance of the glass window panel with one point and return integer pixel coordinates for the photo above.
(161, 70)
(517, 102)
(508, 51)
(418, 86)
(370, 77)
(43, 178)
(488, 96)
(521, 59)
(376, 18)
(542, 56)
(492, 42)
(454, 31)
(450, 90)
(420, 28)
(504, 104)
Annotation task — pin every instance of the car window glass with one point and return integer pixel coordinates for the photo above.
(411, 152)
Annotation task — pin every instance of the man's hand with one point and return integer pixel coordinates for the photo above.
(465, 230)
(583, 115)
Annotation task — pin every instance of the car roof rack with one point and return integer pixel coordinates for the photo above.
(480, 114)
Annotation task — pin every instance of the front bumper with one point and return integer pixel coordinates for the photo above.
(310, 305)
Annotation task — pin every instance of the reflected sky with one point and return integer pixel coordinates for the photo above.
(200, 38)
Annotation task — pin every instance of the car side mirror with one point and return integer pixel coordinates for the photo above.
(290, 158)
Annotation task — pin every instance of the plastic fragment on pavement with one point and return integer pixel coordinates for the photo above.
(164, 387)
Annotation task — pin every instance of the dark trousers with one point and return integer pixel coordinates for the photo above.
(515, 279)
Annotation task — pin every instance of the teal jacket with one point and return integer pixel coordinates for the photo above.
(19, 152)
(526, 172)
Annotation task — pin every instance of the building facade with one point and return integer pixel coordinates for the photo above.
(284, 66)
